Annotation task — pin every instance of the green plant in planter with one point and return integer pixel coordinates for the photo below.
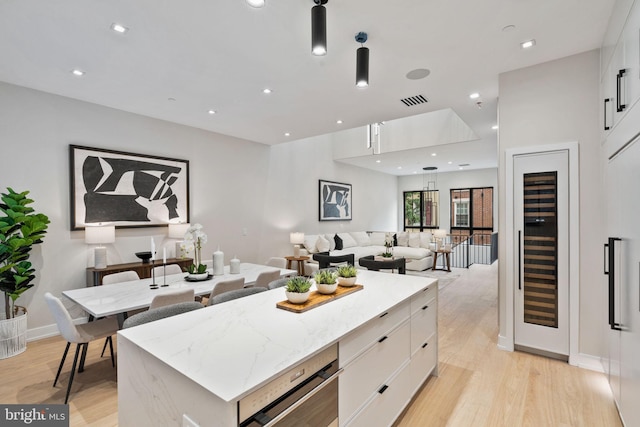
(325, 277)
(298, 284)
(347, 271)
(20, 229)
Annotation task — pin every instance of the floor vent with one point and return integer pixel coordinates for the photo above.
(414, 100)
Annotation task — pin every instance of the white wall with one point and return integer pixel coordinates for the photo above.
(447, 181)
(550, 103)
(235, 186)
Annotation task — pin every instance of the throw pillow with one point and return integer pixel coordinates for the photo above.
(361, 238)
(414, 240)
(403, 238)
(377, 239)
(322, 244)
(347, 240)
(310, 241)
(425, 239)
(338, 241)
(332, 241)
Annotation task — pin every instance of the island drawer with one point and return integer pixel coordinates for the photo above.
(424, 297)
(423, 324)
(424, 361)
(369, 333)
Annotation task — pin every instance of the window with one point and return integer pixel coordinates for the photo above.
(472, 215)
(421, 210)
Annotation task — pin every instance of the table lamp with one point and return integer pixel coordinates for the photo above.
(296, 240)
(99, 234)
(440, 234)
(177, 231)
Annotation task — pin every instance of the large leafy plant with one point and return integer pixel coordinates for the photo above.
(20, 229)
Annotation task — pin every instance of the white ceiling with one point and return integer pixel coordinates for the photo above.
(221, 54)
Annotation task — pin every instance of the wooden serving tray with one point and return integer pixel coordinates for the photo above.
(316, 299)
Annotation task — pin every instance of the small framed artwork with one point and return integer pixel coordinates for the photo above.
(126, 189)
(335, 201)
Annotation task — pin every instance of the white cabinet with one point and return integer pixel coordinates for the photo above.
(387, 359)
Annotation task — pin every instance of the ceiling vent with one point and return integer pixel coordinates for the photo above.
(414, 100)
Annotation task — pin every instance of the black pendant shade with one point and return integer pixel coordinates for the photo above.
(319, 29)
(362, 67)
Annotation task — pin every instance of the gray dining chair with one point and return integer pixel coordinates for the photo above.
(123, 276)
(235, 294)
(154, 314)
(266, 277)
(170, 269)
(226, 286)
(174, 296)
(81, 335)
(278, 283)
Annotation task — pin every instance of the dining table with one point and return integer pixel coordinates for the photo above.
(120, 298)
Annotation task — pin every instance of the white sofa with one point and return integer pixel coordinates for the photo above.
(416, 248)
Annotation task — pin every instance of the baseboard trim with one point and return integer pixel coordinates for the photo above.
(505, 343)
(590, 362)
(47, 331)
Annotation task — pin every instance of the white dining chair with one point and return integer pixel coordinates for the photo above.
(123, 276)
(266, 277)
(172, 297)
(225, 286)
(170, 269)
(81, 334)
(278, 262)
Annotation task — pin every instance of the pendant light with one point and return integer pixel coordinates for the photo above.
(362, 61)
(319, 28)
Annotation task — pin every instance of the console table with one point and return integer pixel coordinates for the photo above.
(95, 275)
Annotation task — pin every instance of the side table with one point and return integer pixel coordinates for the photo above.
(300, 260)
(446, 253)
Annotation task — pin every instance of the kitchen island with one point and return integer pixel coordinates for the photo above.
(202, 363)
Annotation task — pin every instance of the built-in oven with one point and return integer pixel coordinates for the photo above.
(306, 395)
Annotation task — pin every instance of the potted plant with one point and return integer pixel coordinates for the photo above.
(326, 282)
(20, 229)
(347, 275)
(298, 289)
(194, 238)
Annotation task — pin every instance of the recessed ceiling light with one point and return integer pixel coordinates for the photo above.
(255, 3)
(266, 90)
(119, 28)
(287, 134)
(415, 172)
(418, 73)
(460, 168)
(528, 44)
(449, 163)
(474, 95)
(433, 154)
(494, 127)
(399, 167)
(77, 72)
(378, 161)
(339, 122)
(212, 112)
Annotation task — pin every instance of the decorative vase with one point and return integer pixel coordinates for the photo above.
(297, 297)
(326, 289)
(234, 266)
(347, 281)
(198, 276)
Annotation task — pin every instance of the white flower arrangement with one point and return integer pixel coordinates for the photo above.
(388, 244)
(194, 238)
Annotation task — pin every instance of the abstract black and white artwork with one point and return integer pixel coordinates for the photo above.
(335, 201)
(127, 189)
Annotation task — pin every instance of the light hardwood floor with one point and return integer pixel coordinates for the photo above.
(478, 384)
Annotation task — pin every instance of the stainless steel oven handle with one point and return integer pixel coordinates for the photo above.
(306, 397)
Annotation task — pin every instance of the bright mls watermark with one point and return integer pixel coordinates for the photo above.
(34, 415)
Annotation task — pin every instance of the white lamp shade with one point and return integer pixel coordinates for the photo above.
(177, 231)
(296, 238)
(99, 234)
(440, 233)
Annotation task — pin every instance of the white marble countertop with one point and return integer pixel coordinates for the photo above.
(231, 349)
(107, 300)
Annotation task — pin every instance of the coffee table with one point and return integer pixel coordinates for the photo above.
(370, 263)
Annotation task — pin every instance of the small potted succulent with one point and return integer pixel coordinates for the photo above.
(298, 289)
(326, 282)
(347, 275)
